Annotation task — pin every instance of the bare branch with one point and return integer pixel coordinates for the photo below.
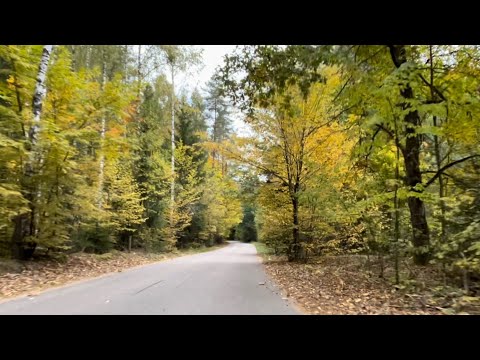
(433, 88)
(440, 171)
(256, 165)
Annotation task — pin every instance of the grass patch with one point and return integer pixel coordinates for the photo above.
(262, 249)
(201, 249)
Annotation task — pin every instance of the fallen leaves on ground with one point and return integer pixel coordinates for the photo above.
(42, 274)
(334, 285)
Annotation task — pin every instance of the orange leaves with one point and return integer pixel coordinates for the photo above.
(115, 132)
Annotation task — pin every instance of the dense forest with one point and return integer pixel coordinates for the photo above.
(360, 150)
(89, 161)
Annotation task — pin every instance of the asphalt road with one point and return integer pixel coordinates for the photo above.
(227, 281)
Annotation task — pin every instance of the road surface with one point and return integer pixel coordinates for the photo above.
(230, 280)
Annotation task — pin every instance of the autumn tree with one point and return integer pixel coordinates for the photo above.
(287, 138)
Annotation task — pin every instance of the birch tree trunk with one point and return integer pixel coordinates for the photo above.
(23, 223)
(214, 154)
(172, 190)
(39, 94)
(102, 141)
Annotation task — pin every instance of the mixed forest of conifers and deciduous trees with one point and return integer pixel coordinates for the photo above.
(368, 150)
(87, 149)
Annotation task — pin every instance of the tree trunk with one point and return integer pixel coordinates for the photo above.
(438, 158)
(102, 140)
(397, 208)
(74, 57)
(214, 131)
(23, 223)
(411, 155)
(294, 250)
(39, 94)
(139, 71)
(172, 189)
(125, 64)
(88, 56)
(441, 191)
(20, 231)
(418, 217)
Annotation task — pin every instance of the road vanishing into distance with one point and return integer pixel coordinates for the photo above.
(228, 281)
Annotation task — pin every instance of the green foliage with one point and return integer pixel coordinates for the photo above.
(247, 230)
(124, 199)
(179, 216)
(273, 217)
(12, 203)
(331, 124)
(419, 99)
(221, 207)
(218, 110)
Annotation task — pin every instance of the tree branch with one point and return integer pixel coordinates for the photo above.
(392, 136)
(256, 165)
(454, 178)
(440, 171)
(398, 62)
(371, 145)
(433, 88)
(343, 88)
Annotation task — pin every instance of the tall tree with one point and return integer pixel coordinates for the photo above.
(393, 73)
(219, 113)
(178, 58)
(103, 129)
(22, 227)
(288, 128)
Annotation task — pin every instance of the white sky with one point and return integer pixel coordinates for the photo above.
(212, 58)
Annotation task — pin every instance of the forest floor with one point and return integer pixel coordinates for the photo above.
(30, 277)
(352, 285)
